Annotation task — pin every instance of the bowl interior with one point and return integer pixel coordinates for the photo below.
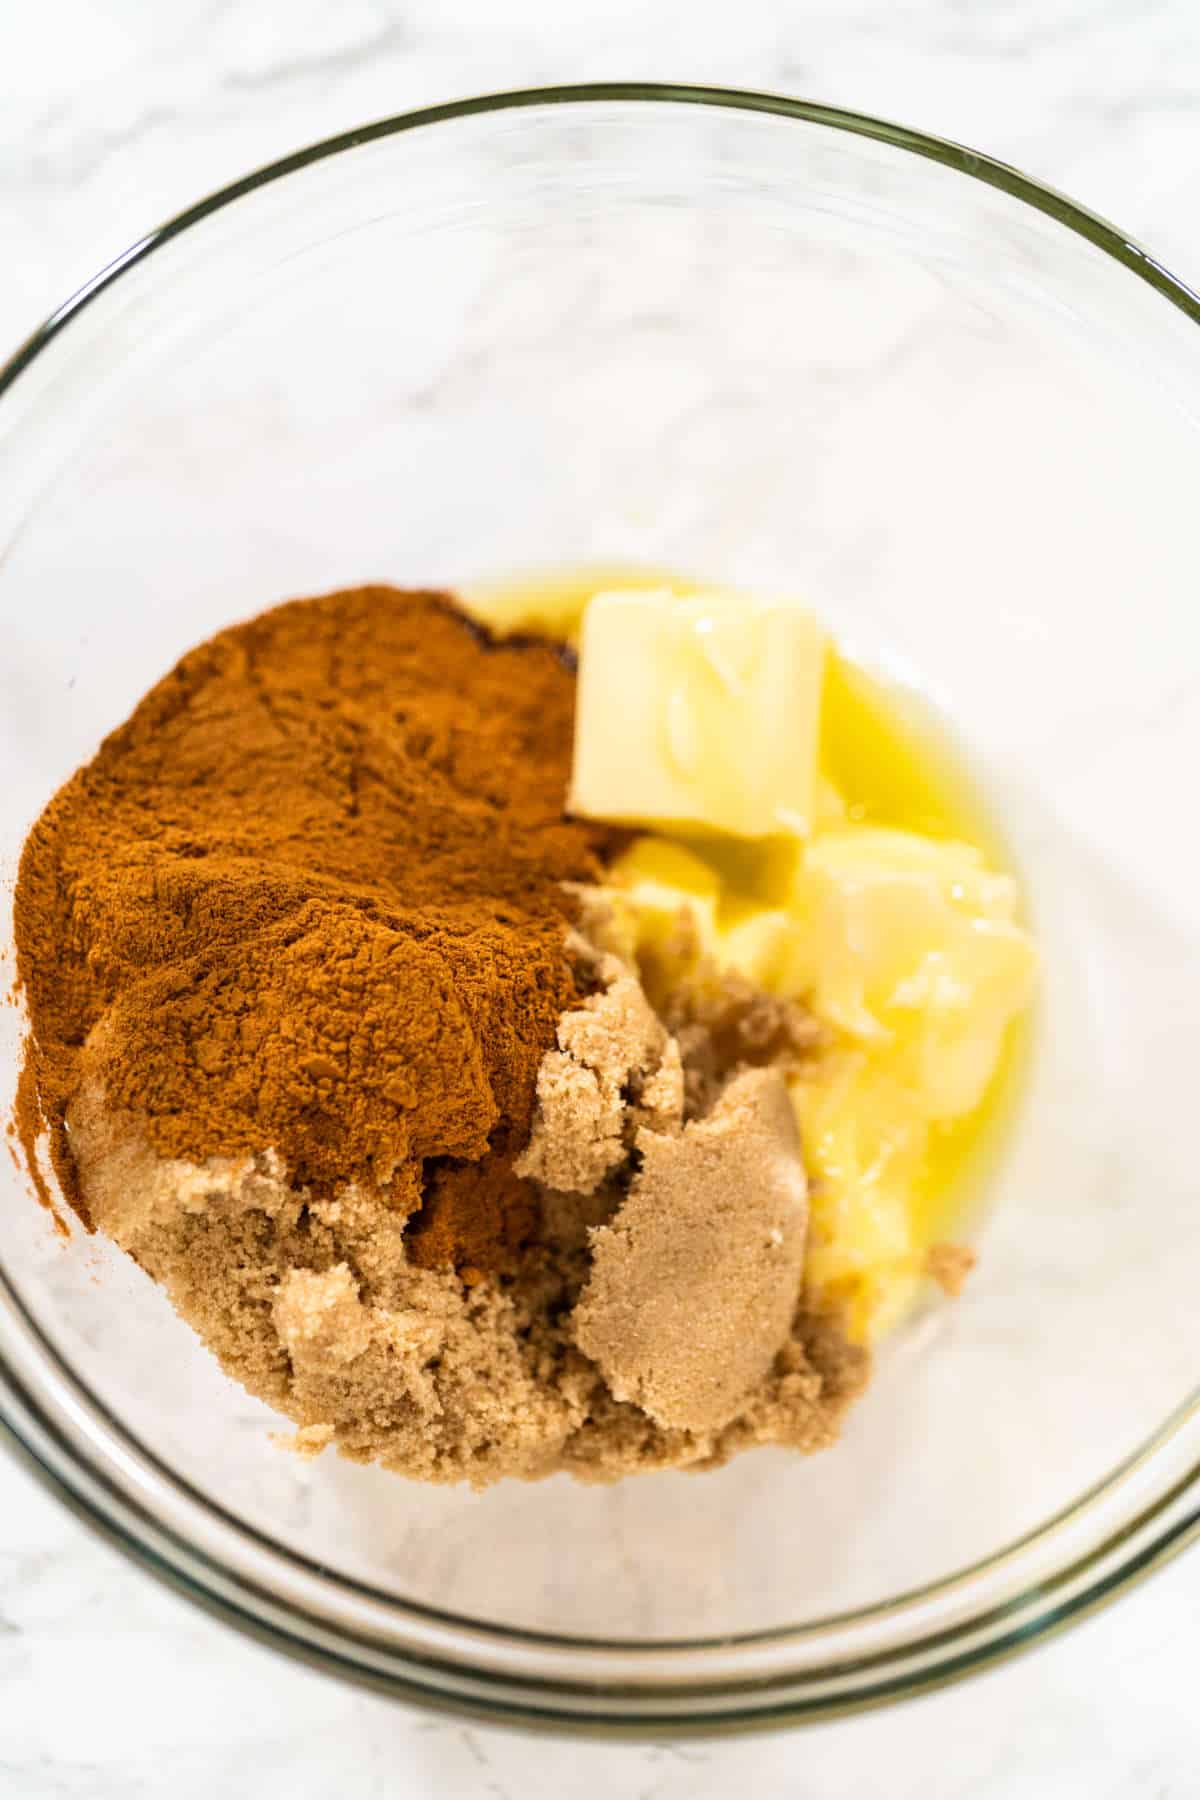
(770, 352)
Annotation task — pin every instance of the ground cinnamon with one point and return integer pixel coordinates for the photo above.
(309, 898)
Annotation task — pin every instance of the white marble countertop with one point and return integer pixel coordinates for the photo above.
(114, 113)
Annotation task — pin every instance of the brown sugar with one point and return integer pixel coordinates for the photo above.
(318, 1307)
(949, 1265)
(694, 1284)
(306, 899)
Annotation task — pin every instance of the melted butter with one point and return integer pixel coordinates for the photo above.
(896, 764)
(889, 761)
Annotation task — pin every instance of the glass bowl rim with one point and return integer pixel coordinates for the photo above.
(43, 1431)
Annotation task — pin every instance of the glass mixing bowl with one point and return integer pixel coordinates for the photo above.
(767, 342)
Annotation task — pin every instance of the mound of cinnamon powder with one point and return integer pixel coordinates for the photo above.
(309, 898)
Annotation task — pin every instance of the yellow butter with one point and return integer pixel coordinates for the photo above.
(911, 947)
(699, 711)
(889, 915)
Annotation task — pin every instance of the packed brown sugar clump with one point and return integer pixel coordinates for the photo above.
(315, 1019)
(309, 898)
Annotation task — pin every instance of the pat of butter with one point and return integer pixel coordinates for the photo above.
(699, 710)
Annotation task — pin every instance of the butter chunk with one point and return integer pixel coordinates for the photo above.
(912, 947)
(699, 711)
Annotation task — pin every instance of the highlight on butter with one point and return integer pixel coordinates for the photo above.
(699, 712)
